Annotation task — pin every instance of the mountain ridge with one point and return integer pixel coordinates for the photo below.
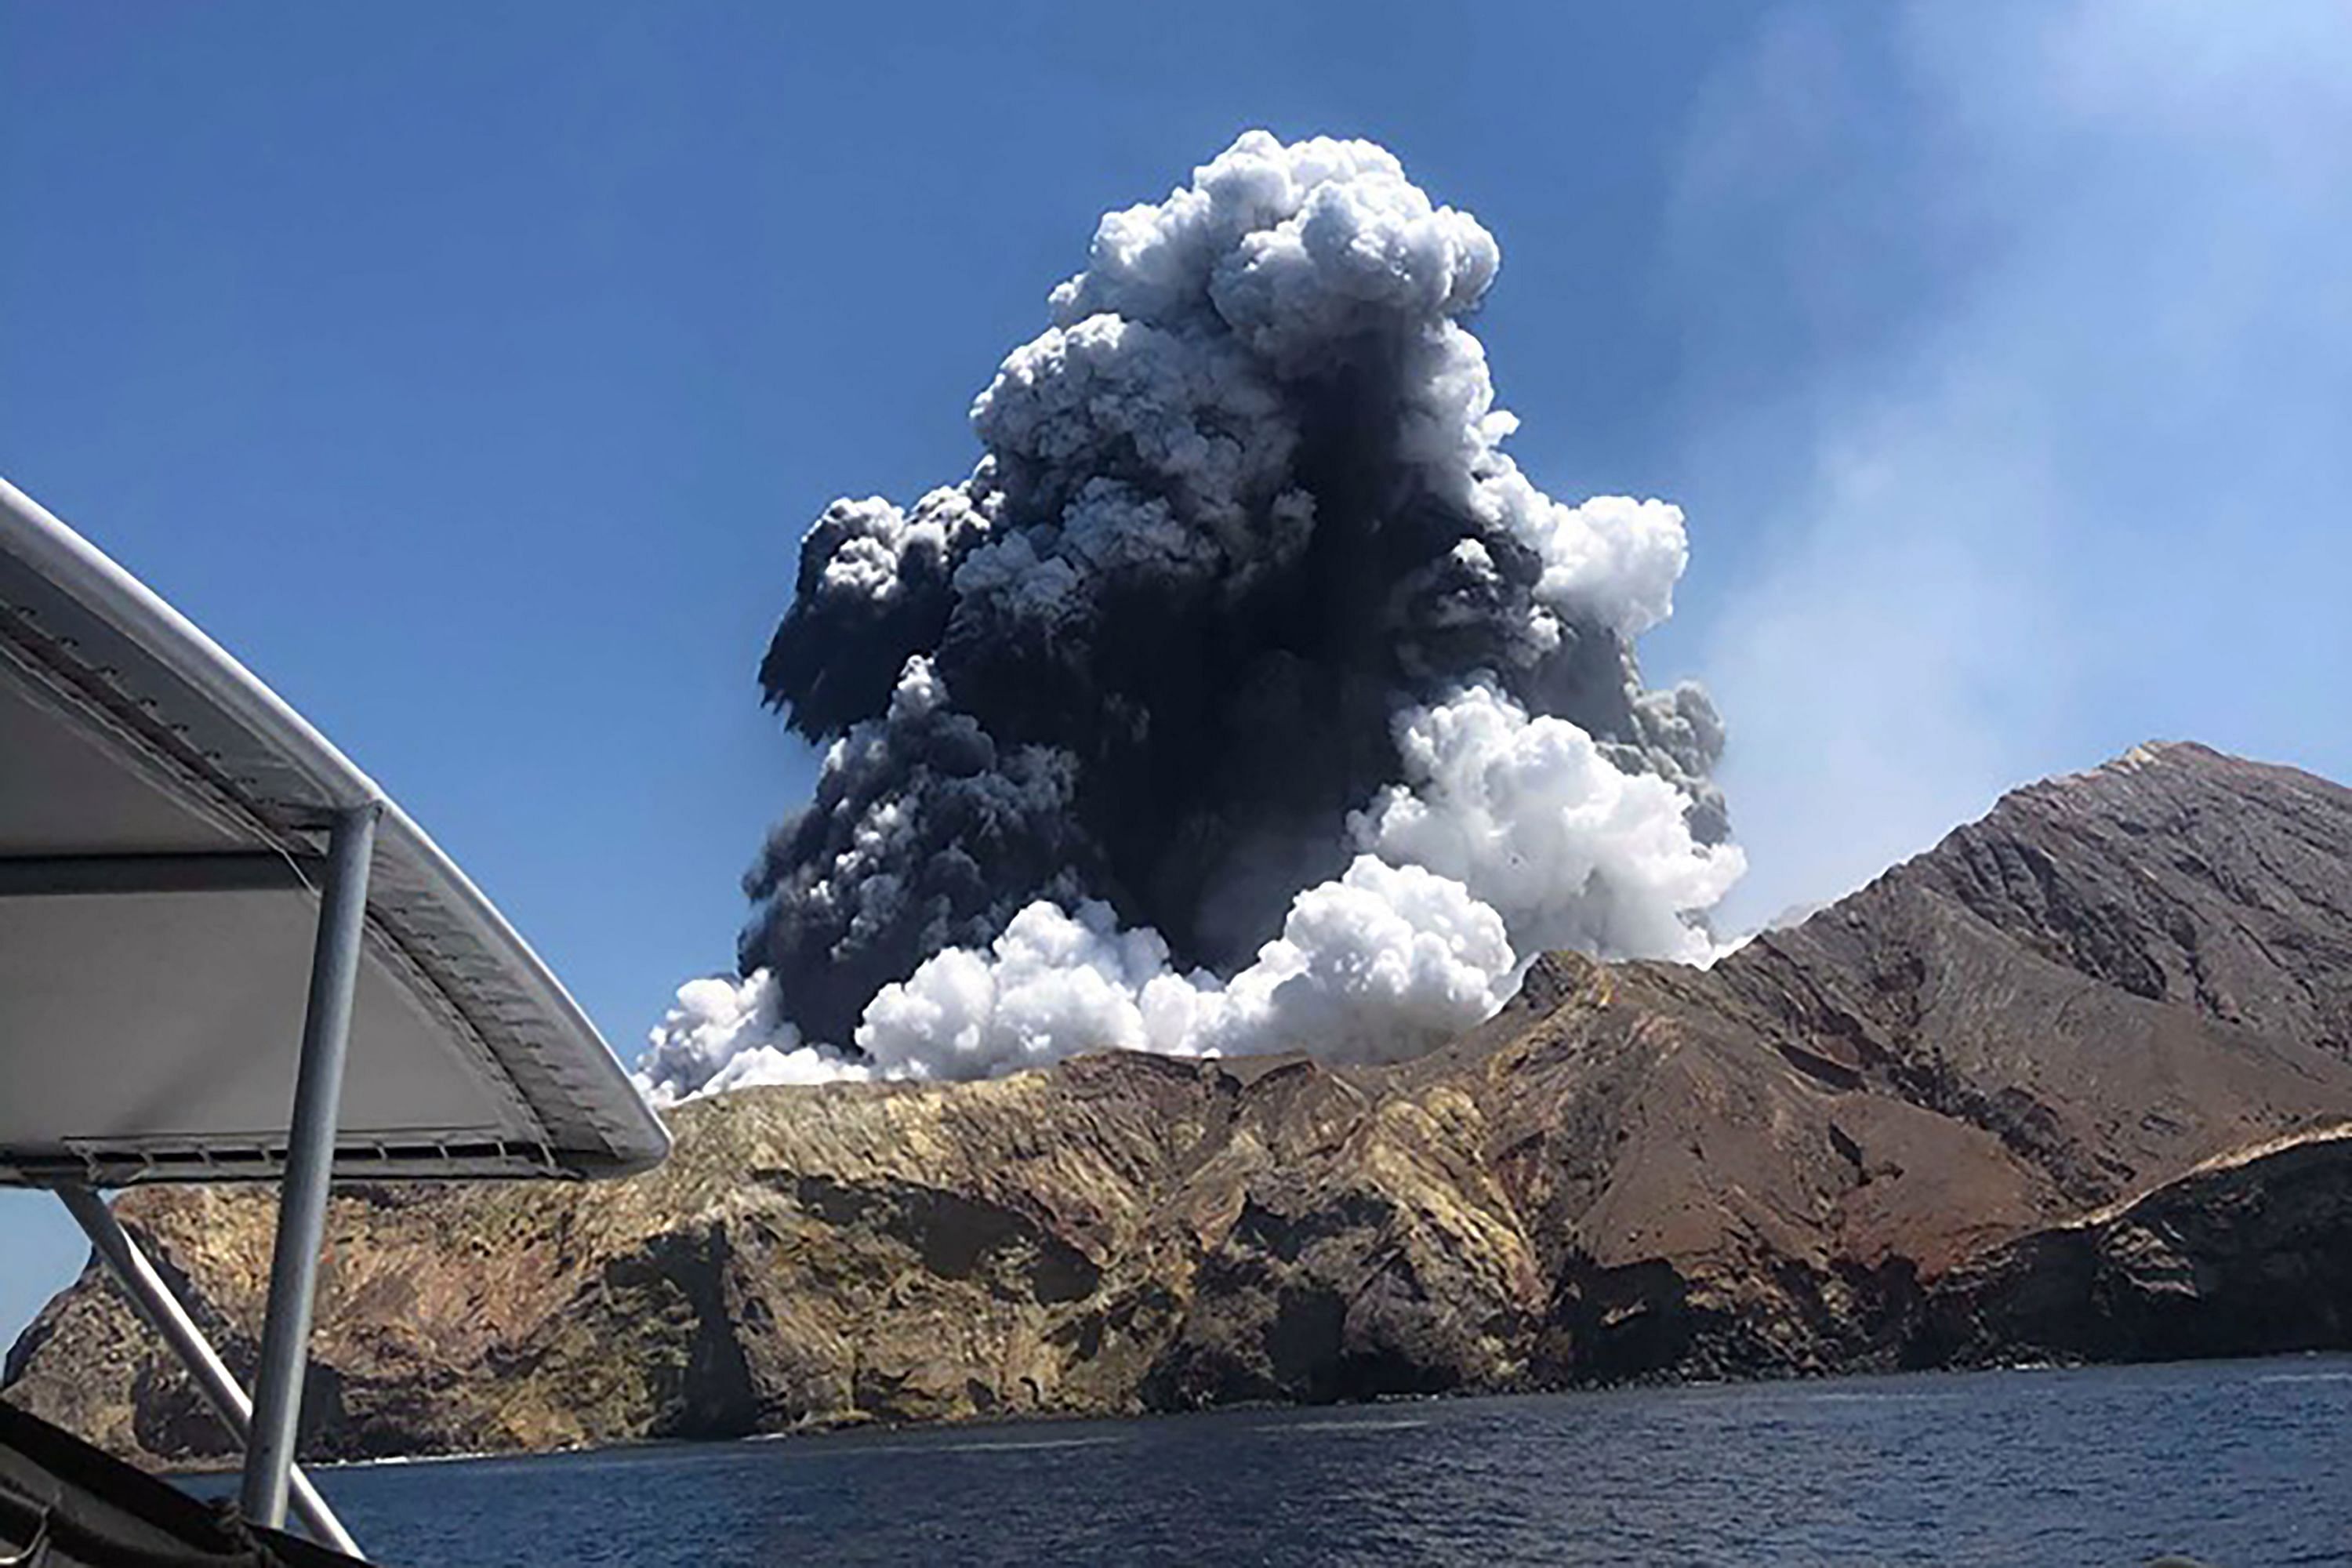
(2055, 1046)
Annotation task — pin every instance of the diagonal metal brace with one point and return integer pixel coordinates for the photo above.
(152, 1294)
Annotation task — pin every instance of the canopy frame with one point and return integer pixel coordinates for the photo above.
(159, 766)
(267, 1423)
(156, 773)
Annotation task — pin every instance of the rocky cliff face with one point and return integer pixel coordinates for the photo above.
(1999, 1102)
(2250, 1256)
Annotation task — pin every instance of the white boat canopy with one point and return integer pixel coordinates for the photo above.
(225, 955)
(163, 822)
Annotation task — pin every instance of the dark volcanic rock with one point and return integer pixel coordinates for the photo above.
(2001, 1102)
(2251, 1257)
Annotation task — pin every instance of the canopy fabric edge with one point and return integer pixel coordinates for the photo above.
(192, 708)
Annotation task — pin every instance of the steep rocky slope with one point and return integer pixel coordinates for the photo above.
(1999, 1102)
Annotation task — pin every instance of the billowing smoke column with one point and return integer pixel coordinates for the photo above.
(1246, 695)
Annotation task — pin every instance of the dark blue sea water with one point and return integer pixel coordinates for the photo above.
(2245, 1464)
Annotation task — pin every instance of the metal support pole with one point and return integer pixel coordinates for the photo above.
(310, 1162)
(152, 1294)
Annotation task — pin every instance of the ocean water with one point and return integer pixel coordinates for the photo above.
(2242, 1464)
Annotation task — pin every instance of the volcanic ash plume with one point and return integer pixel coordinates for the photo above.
(1248, 696)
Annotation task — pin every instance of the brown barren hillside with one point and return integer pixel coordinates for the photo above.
(2074, 1082)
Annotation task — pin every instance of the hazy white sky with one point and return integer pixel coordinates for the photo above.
(2088, 484)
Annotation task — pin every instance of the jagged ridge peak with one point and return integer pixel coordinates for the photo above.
(2175, 765)
(2175, 872)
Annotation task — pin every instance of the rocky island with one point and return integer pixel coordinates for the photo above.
(2076, 1083)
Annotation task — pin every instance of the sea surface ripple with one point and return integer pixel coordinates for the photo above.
(2242, 1464)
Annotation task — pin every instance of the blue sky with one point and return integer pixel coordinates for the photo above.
(473, 372)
